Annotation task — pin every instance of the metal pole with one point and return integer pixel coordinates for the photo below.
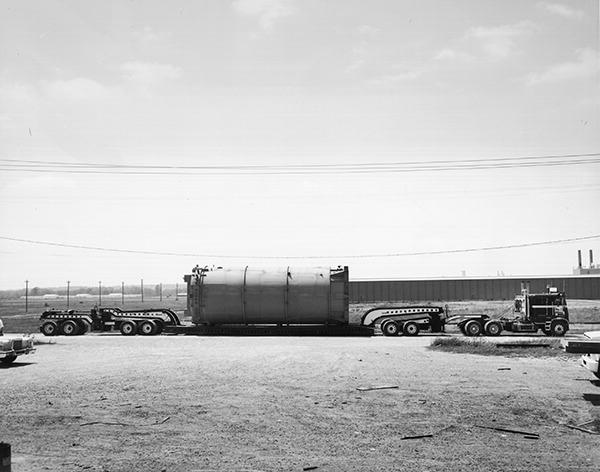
(26, 296)
(142, 283)
(122, 293)
(176, 291)
(160, 291)
(99, 292)
(68, 287)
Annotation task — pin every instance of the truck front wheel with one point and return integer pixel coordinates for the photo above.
(559, 328)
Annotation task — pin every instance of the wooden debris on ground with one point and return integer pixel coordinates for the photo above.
(380, 387)
(507, 430)
(523, 344)
(579, 428)
(419, 436)
(111, 423)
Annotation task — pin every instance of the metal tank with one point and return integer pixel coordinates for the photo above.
(268, 296)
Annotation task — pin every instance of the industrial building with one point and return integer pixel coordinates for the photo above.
(465, 288)
(584, 284)
(593, 269)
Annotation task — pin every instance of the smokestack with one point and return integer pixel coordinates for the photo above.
(591, 258)
(579, 258)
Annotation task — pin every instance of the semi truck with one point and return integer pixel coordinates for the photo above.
(532, 312)
(547, 312)
(300, 301)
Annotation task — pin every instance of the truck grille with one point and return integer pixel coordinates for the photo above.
(18, 344)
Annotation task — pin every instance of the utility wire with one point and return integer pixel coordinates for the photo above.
(301, 169)
(64, 163)
(351, 256)
(307, 172)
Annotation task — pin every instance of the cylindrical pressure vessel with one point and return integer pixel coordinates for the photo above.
(269, 296)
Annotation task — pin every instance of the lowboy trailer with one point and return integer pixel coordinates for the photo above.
(408, 320)
(234, 302)
(129, 322)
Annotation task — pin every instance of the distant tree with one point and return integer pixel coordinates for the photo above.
(35, 291)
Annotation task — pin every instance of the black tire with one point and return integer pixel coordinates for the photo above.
(69, 328)
(49, 328)
(390, 328)
(159, 327)
(410, 328)
(128, 328)
(473, 328)
(382, 324)
(492, 328)
(8, 359)
(559, 328)
(147, 328)
(84, 327)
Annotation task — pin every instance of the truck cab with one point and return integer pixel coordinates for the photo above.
(546, 311)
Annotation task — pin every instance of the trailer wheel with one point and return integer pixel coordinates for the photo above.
(128, 328)
(382, 324)
(8, 359)
(390, 328)
(147, 328)
(69, 328)
(492, 328)
(411, 328)
(49, 328)
(85, 327)
(159, 327)
(558, 328)
(473, 328)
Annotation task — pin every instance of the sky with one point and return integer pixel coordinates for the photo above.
(296, 132)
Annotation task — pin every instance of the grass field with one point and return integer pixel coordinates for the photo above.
(543, 347)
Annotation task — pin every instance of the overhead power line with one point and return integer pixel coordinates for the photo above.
(342, 256)
(20, 165)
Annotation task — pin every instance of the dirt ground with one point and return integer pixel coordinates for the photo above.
(177, 403)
